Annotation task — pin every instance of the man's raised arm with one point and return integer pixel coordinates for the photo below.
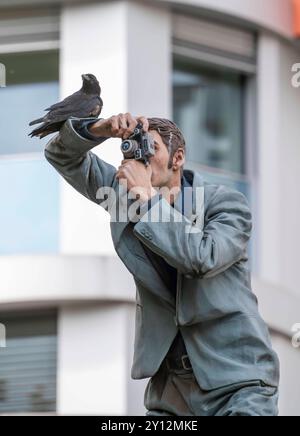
(69, 152)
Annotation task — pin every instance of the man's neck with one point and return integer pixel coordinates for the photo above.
(173, 188)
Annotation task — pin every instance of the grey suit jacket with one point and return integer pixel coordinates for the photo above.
(215, 308)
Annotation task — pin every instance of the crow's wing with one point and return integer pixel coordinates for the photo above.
(80, 108)
(83, 108)
(64, 102)
(67, 103)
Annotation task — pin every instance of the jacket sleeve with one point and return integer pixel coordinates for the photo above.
(69, 153)
(207, 252)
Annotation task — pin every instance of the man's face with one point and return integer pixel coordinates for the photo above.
(161, 174)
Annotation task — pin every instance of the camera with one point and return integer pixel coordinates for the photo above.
(139, 146)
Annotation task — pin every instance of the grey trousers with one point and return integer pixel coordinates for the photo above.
(176, 392)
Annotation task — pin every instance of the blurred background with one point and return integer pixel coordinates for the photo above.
(222, 70)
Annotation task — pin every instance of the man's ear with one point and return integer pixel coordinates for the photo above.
(178, 159)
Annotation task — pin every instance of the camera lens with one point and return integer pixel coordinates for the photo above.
(125, 146)
(128, 147)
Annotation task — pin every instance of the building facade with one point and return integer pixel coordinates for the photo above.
(223, 70)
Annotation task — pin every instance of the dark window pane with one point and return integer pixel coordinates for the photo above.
(32, 85)
(208, 107)
(28, 363)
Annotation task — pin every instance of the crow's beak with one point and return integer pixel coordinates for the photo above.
(85, 77)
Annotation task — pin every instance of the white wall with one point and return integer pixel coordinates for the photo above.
(60, 279)
(109, 48)
(149, 68)
(290, 171)
(279, 164)
(269, 158)
(93, 40)
(94, 362)
(289, 380)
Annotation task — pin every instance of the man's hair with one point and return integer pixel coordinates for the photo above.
(170, 134)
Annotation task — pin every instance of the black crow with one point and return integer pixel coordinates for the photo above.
(84, 103)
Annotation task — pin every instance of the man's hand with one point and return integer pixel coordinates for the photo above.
(118, 126)
(137, 177)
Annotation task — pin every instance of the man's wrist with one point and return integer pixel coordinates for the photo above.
(81, 127)
(96, 130)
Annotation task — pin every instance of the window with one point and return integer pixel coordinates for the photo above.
(208, 106)
(29, 187)
(31, 86)
(28, 363)
(214, 98)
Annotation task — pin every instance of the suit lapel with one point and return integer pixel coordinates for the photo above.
(190, 202)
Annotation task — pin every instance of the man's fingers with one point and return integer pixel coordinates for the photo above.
(114, 125)
(144, 121)
(123, 125)
(118, 125)
(123, 121)
(131, 124)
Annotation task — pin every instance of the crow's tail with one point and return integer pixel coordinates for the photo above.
(39, 120)
(39, 131)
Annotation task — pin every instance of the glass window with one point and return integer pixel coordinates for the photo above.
(28, 363)
(208, 107)
(30, 220)
(31, 86)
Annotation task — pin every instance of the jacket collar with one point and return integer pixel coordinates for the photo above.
(187, 201)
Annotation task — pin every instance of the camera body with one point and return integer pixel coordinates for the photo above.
(139, 146)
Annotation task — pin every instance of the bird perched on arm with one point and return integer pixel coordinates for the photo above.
(84, 103)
